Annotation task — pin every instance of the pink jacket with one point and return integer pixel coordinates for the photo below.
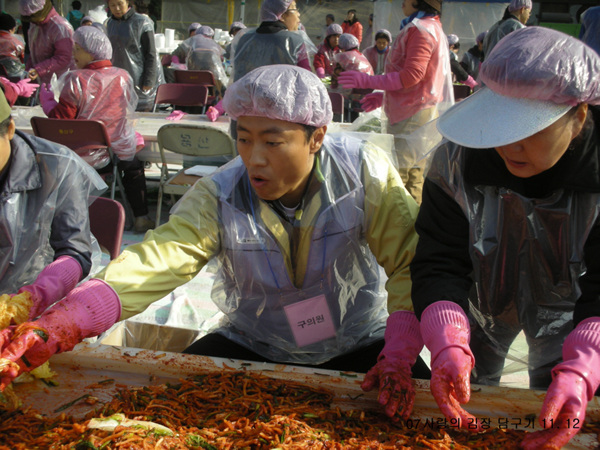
(420, 55)
(372, 55)
(51, 46)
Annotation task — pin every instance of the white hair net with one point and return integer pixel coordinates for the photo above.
(94, 41)
(29, 7)
(518, 4)
(348, 42)
(543, 64)
(452, 39)
(385, 32)
(334, 28)
(236, 26)
(272, 10)
(205, 30)
(281, 92)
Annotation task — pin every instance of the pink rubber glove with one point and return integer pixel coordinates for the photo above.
(358, 80)
(23, 88)
(446, 332)
(392, 373)
(175, 60)
(320, 72)
(47, 99)
(574, 383)
(53, 283)
(372, 101)
(214, 112)
(176, 115)
(470, 82)
(87, 311)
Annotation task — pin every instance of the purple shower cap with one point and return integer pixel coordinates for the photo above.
(206, 31)
(543, 64)
(29, 7)
(193, 27)
(272, 10)
(384, 32)
(93, 41)
(236, 26)
(333, 29)
(348, 42)
(452, 39)
(518, 4)
(281, 92)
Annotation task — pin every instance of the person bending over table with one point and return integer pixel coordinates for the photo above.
(313, 235)
(97, 90)
(509, 233)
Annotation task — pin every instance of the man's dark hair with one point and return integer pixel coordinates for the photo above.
(330, 16)
(309, 130)
(7, 22)
(382, 36)
(425, 7)
(4, 126)
(76, 5)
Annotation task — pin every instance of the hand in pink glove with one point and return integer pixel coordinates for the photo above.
(446, 332)
(47, 99)
(175, 60)
(372, 101)
(358, 80)
(176, 115)
(320, 72)
(470, 82)
(86, 311)
(574, 383)
(213, 112)
(392, 373)
(23, 88)
(53, 283)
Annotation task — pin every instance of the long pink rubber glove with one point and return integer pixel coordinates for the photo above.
(47, 99)
(392, 373)
(176, 115)
(320, 72)
(470, 82)
(446, 332)
(23, 88)
(87, 311)
(214, 112)
(574, 383)
(358, 80)
(372, 101)
(53, 283)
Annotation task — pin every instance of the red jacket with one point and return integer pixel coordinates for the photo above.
(356, 29)
(324, 57)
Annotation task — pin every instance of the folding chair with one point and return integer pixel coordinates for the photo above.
(180, 94)
(191, 141)
(337, 104)
(201, 77)
(107, 223)
(461, 91)
(81, 136)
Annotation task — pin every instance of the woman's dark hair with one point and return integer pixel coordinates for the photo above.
(76, 5)
(4, 126)
(425, 7)
(588, 124)
(7, 22)
(354, 19)
(382, 36)
(456, 46)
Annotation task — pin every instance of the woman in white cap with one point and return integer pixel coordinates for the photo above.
(299, 225)
(50, 39)
(417, 84)
(509, 231)
(515, 17)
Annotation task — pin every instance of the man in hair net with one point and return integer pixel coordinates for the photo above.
(97, 90)
(509, 233)
(473, 57)
(515, 17)
(313, 235)
(50, 39)
(46, 246)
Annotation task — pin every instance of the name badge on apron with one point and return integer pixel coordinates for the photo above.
(310, 320)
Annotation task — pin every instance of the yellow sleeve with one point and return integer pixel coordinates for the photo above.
(391, 214)
(169, 256)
